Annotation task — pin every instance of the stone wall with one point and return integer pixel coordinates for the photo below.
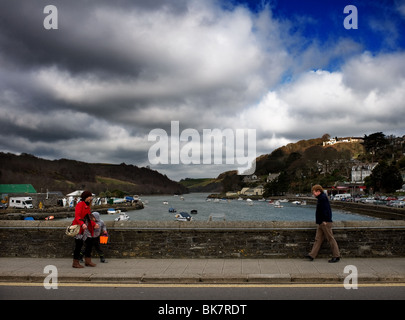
(196, 239)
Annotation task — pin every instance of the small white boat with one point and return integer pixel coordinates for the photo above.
(122, 217)
(165, 202)
(299, 203)
(277, 204)
(113, 211)
(119, 200)
(183, 216)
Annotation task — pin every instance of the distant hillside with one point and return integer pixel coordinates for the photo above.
(202, 184)
(305, 161)
(301, 165)
(226, 181)
(68, 175)
(306, 154)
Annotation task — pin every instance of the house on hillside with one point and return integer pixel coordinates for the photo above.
(256, 191)
(251, 178)
(333, 141)
(361, 171)
(272, 176)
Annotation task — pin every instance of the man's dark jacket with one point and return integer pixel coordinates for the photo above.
(323, 210)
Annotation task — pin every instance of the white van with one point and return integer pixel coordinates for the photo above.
(20, 202)
(342, 196)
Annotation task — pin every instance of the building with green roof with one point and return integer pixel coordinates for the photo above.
(16, 188)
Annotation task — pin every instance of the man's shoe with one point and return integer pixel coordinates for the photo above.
(308, 257)
(333, 260)
(88, 263)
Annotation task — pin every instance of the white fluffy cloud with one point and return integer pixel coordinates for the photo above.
(366, 96)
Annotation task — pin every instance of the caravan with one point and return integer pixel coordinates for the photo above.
(20, 202)
(342, 196)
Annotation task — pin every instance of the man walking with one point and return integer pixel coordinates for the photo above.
(323, 217)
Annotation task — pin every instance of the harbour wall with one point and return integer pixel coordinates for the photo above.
(198, 239)
(368, 209)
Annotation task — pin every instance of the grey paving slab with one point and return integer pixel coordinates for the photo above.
(205, 270)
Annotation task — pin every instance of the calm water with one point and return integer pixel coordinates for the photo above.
(233, 210)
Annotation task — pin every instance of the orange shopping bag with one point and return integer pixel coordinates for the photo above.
(103, 239)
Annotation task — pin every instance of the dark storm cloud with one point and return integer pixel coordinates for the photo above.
(101, 44)
(81, 44)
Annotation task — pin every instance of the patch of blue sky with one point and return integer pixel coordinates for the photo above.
(380, 23)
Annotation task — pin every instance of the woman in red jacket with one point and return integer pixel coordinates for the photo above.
(82, 218)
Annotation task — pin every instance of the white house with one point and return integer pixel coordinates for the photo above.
(252, 178)
(255, 191)
(272, 176)
(361, 171)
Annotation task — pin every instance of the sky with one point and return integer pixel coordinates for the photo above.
(142, 82)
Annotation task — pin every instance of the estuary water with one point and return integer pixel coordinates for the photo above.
(156, 209)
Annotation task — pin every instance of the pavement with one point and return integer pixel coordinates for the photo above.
(209, 271)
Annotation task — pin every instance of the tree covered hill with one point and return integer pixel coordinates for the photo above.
(317, 161)
(314, 161)
(69, 175)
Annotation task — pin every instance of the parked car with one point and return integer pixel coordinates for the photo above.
(368, 200)
(381, 202)
(398, 204)
(395, 203)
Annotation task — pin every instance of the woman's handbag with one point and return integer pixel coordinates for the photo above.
(72, 230)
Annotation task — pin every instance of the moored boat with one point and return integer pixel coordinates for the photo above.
(122, 217)
(183, 216)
